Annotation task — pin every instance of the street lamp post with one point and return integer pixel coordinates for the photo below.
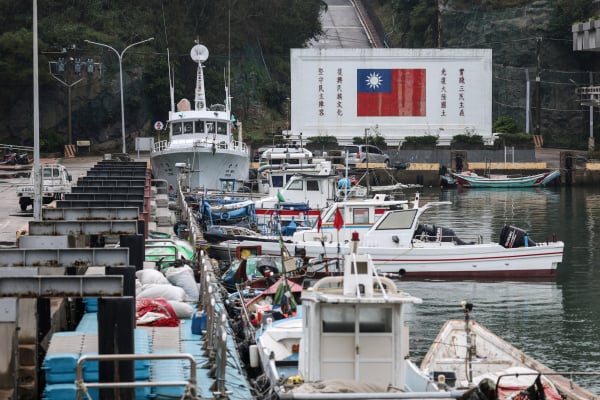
(120, 56)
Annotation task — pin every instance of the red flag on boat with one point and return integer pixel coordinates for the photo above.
(338, 221)
(319, 223)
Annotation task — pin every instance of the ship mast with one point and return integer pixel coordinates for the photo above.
(199, 53)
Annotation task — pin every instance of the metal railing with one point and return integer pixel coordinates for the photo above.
(82, 386)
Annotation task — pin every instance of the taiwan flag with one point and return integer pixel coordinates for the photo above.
(390, 93)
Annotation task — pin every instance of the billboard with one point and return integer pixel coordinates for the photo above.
(392, 92)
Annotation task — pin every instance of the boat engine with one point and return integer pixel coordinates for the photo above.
(511, 236)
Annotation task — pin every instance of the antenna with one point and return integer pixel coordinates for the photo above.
(171, 82)
(229, 62)
(171, 78)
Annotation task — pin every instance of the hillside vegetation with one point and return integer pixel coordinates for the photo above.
(253, 37)
(528, 38)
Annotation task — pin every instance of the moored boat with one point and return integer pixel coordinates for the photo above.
(347, 339)
(401, 244)
(201, 140)
(465, 353)
(364, 213)
(472, 180)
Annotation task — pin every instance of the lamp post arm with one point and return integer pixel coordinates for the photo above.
(134, 44)
(104, 45)
(120, 56)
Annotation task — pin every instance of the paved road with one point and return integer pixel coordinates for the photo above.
(12, 219)
(342, 27)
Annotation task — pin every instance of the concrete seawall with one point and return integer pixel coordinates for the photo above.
(575, 169)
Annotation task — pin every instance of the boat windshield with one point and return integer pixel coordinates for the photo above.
(398, 220)
(199, 126)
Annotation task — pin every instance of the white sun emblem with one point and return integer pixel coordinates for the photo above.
(374, 80)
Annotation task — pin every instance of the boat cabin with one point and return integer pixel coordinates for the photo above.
(356, 216)
(356, 333)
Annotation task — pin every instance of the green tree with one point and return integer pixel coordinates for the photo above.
(505, 125)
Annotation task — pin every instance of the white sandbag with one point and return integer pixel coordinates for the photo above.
(184, 278)
(182, 310)
(168, 292)
(147, 276)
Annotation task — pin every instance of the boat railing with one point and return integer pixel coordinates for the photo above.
(450, 238)
(161, 145)
(222, 145)
(449, 394)
(189, 216)
(82, 386)
(562, 381)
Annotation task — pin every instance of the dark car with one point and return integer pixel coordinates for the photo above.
(362, 153)
(258, 152)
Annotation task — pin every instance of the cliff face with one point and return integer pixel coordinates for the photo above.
(524, 46)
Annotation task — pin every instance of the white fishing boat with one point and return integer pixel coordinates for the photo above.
(465, 354)
(348, 339)
(307, 191)
(201, 140)
(400, 244)
(364, 213)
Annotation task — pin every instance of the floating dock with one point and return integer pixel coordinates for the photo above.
(68, 295)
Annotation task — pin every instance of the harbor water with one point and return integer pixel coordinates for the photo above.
(556, 321)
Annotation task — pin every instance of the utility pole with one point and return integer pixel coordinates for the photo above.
(63, 70)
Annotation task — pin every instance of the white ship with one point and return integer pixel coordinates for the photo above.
(202, 140)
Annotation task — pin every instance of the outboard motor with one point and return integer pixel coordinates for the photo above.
(511, 236)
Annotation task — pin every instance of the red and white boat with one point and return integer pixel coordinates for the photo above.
(400, 244)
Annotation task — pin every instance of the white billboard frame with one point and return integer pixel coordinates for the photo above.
(458, 93)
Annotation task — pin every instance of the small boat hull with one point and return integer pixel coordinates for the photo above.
(493, 357)
(476, 181)
(490, 261)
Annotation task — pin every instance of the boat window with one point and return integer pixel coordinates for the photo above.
(222, 128)
(210, 127)
(360, 216)
(188, 127)
(251, 266)
(277, 181)
(375, 319)
(200, 126)
(338, 318)
(312, 185)
(332, 216)
(295, 185)
(176, 128)
(398, 220)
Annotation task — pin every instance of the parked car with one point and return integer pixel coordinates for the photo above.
(258, 152)
(362, 153)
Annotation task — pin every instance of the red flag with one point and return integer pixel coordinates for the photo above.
(338, 221)
(391, 92)
(319, 223)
